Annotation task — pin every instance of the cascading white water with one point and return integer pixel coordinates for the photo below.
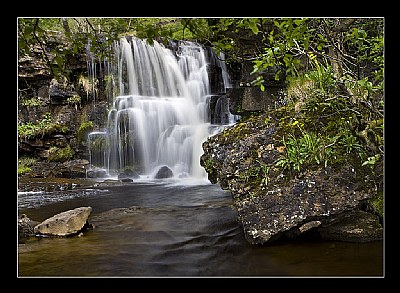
(161, 116)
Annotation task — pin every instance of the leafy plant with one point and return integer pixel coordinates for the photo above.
(29, 129)
(75, 99)
(371, 161)
(265, 171)
(33, 102)
(57, 154)
(25, 164)
(301, 151)
(45, 125)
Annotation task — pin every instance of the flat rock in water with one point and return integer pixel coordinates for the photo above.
(64, 224)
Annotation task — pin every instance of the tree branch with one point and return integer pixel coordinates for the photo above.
(41, 46)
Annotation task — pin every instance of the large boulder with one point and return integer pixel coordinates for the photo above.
(271, 204)
(67, 223)
(326, 200)
(164, 172)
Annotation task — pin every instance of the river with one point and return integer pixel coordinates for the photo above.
(173, 229)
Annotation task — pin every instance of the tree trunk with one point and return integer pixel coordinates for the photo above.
(334, 30)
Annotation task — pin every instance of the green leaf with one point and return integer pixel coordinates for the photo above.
(253, 27)
(59, 60)
(28, 30)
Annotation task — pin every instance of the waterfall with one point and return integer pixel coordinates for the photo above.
(160, 116)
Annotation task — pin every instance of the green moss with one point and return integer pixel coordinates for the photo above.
(377, 204)
(42, 127)
(24, 165)
(110, 89)
(83, 130)
(57, 154)
(250, 175)
(208, 165)
(211, 169)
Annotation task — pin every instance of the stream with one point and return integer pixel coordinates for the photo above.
(169, 228)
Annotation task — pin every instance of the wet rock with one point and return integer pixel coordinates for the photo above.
(164, 172)
(355, 226)
(25, 227)
(96, 173)
(248, 99)
(74, 168)
(59, 93)
(128, 175)
(67, 223)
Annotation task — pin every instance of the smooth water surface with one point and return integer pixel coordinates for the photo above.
(167, 229)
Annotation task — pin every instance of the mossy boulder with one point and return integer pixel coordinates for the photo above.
(273, 202)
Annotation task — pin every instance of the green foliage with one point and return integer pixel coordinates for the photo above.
(286, 42)
(22, 169)
(39, 35)
(33, 102)
(321, 147)
(57, 154)
(83, 130)
(24, 164)
(334, 69)
(74, 100)
(295, 45)
(190, 29)
(29, 129)
(208, 165)
(366, 45)
(288, 39)
(377, 204)
(302, 151)
(265, 172)
(44, 126)
(320, 74)
(335, 128)
(371, 161)
(150, 29)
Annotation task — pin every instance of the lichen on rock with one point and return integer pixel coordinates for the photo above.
(272, 203)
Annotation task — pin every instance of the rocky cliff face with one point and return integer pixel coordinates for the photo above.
(55, 113)
(271, 204)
